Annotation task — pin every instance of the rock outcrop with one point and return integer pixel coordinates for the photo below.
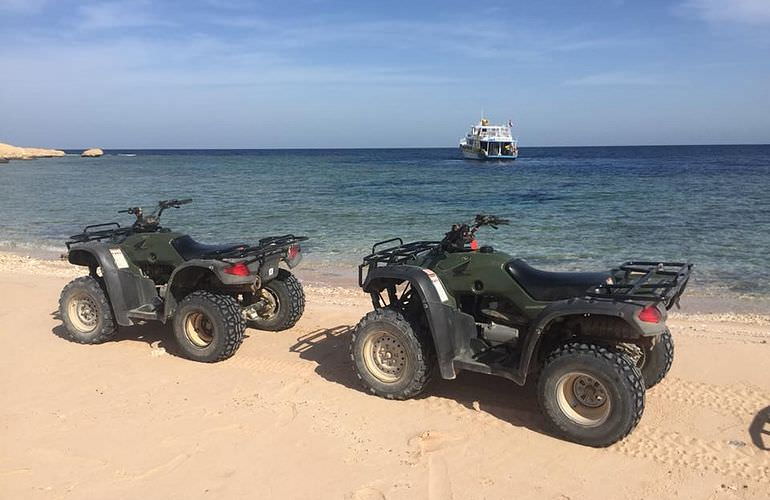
(17, 153)
(92, 153)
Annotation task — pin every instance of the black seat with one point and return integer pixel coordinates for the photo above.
(190, 249)
(549, 286)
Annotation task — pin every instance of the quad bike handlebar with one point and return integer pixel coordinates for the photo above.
(151, 222)
(489, 220)
(465, 234)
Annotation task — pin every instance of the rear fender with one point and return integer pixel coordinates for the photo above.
(188, 276)
(126, 289)
(583, 310)
(450, 329)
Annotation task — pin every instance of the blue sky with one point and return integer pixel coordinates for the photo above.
(236, 73)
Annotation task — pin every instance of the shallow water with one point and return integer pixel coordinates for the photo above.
(570, 208)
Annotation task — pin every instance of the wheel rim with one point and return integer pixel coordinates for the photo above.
(583, 399)
(385, 357)
(265, 306)
(198, 329)
(83, 312)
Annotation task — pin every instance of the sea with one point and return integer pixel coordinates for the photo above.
(570, 208)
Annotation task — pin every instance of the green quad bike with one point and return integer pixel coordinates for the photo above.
(210, 293)
(595, 341)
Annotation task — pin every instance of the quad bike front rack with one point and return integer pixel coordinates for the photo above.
(93, 233)
(394, 255)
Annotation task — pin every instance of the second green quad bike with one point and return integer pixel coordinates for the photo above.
(209, 293)
(594, 341)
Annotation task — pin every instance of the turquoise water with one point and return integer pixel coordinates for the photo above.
(570, 208)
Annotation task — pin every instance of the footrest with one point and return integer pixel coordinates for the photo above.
(147, 311)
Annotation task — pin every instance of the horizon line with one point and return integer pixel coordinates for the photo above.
(305, 148)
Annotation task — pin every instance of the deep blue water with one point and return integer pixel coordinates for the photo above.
(571, 208)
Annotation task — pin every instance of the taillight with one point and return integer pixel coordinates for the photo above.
(293, 252)
(474, 244)
(650, 314)
(238, 269)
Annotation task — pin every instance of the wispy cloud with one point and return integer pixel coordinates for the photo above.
(616, 78)
(470, 40)
(22, 6)
(119, 14)
(199, 61)
(752, 12)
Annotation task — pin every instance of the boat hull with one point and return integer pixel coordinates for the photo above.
(477, 154)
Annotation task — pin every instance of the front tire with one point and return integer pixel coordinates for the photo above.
(278, 305)
(591, 394)
(85, 310)
(208, 327)
(391, 356)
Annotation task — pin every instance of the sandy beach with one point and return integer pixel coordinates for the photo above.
(285, 418)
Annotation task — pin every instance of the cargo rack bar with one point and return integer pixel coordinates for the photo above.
(396, 254)
(655, 282)
(266, 246)
(89, 234)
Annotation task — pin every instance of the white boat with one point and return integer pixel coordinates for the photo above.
(489, 142)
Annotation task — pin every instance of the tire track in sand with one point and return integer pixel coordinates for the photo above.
(729, 400)
(672, 448)
(273, 366)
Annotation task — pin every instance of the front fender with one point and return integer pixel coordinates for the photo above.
(450, 329)
(126, 289)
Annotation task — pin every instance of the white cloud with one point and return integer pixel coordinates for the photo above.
(755, 12)
(615, 78)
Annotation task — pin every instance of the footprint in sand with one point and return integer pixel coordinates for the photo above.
(429, 441)
(426, 444)
(367, 493)
(439, 484)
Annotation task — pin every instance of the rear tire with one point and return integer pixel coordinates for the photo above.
(85, 310)
(208, 327)
(658, 360)
(654, 363)
(284, 301)
(391, 356)
(591, 394)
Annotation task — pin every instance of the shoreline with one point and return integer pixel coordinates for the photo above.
(332, 282)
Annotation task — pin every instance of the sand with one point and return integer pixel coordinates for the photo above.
(285, 417)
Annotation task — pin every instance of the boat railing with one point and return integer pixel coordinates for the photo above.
(493, 133)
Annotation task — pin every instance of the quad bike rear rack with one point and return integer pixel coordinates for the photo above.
(646, 281)
(394, 255)
(266, 247)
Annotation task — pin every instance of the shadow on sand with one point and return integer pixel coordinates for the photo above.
(759, 430)
(501, 398)
(152, 333)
